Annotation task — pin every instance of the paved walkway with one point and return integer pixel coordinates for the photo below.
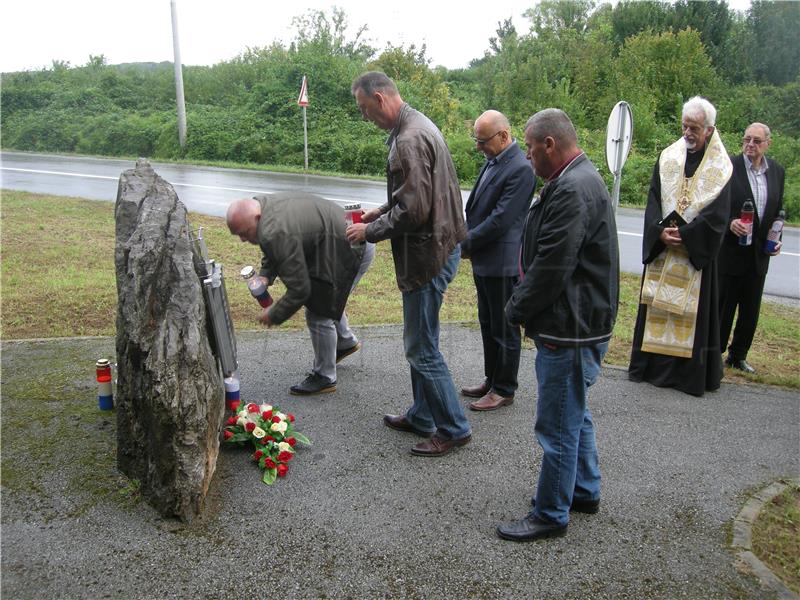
(359, 516)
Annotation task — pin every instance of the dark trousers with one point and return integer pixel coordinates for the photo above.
(744, 293)
(501, 340)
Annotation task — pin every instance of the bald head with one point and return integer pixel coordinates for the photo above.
(243, 217)
(492, 133)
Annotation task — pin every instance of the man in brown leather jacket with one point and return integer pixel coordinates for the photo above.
(424, 218)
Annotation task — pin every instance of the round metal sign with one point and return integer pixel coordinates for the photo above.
(619, 134)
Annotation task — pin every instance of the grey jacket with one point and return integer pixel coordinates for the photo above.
(302, 238)
(424, 215)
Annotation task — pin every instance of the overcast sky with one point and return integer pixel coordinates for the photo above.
(35, 32)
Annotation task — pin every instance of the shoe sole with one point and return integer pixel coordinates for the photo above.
(348, 352)
(550, 534)
(446, 452)
(327, 390)
(495, 407)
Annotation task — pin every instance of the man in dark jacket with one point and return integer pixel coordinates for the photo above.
(424, 218)
(302, 238)
(495, 214)
(743, 269)
(567, 301)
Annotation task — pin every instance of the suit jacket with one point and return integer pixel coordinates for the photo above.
(743, 260)
(496, 215)
(302, 240)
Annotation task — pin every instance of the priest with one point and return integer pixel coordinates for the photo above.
(676, 340)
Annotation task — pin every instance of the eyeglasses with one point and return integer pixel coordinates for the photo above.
(482, 142)
(756, 141)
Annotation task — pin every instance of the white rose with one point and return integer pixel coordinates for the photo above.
(259, 433)
(279, 427)
(241, 421)
(281, 416)
(264, 408)
(283, 446)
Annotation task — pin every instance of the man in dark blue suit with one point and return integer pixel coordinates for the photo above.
(743, 269)
(495, 216)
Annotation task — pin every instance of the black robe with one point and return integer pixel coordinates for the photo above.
(702, 239)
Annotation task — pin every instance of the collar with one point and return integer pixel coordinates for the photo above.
(396, 129)
(565, 165)
(749, 164)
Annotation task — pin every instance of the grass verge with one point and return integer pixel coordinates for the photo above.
(58, 280)
(776, 536)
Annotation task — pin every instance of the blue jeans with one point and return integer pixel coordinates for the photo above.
(436, 406)
(565, 430)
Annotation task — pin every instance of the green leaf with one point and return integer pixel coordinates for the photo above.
(269, 476)
(301, 438)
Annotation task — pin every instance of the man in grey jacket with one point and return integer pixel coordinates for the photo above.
(424, 219)
(567, 300)
(302, 238)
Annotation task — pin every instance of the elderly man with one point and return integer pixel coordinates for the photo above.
(743, 269)
(567, 300)
(424, 219)
(302, 238)
(495, 212)
(676, 340)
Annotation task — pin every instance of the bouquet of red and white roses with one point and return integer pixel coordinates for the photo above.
(272, 434)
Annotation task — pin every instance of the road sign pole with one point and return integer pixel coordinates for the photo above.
(305, 137)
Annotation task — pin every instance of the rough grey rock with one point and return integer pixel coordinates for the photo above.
(170, 397)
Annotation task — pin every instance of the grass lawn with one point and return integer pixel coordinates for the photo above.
(58, 280)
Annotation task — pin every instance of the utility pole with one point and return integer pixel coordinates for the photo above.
(178, 78)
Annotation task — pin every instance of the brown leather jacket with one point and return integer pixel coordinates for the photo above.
(424, 215)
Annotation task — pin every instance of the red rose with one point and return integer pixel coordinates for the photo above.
(290, 416)
(252, 408)
(269, 463)
(266, 415)
(282, 469)
(258, 454)
(232, 420)
(276, 419)
(263, 441)
(249, 426)
(227, 434)
(285, 456)
(269, 438)
(233, 404)
(291, 441)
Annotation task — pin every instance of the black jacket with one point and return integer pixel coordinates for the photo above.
(734, 259)
(570, 258)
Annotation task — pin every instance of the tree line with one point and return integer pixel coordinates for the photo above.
(577, 55)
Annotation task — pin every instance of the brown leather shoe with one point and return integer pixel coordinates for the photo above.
(476, 391)
(491, 401)
(400, 423)
(437, 446)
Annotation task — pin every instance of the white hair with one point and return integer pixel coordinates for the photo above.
(699, 105)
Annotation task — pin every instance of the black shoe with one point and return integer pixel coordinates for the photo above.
(313, 384)
(741, 365)
(342, 354)
(589, 507)
(530, 529)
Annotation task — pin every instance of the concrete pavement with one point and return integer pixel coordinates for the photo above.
(358, 516)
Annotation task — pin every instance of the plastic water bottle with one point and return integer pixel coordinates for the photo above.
(774, 235)
(257, 287)
(746, 218)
